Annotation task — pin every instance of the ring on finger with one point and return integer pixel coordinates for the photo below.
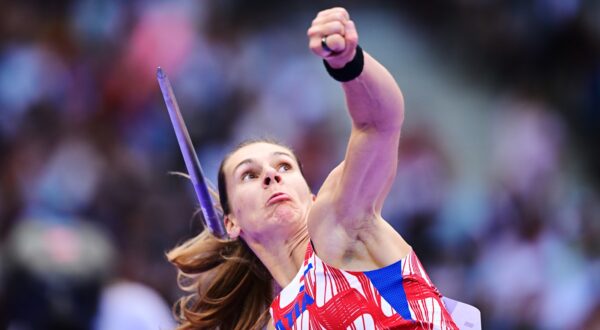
(324, 45)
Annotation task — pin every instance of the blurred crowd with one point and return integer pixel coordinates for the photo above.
(498, 184)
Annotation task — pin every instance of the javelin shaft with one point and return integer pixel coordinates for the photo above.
(189, 155)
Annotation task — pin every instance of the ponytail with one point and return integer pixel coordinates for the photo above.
(228, 286)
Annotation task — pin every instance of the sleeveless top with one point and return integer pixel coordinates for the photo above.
(398, 296)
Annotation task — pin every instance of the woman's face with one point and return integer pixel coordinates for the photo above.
(268, 196)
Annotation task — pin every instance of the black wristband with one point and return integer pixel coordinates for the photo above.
(351, 70)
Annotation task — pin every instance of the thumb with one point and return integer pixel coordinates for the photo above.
(335, 43)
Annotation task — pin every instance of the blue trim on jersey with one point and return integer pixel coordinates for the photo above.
(388, 281)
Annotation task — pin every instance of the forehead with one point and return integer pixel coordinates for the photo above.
(255, 151)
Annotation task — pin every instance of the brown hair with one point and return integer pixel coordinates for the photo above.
(228, 286)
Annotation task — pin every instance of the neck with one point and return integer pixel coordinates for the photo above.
(282, 257)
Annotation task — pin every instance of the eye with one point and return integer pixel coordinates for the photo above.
(248, 175)
(284, 167)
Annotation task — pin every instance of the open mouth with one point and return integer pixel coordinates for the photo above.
(278, 197)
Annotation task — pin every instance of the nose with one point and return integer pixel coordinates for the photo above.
(271, 176)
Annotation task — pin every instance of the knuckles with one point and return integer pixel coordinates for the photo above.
(329, 22)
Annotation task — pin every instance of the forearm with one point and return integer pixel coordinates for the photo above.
(374, 100)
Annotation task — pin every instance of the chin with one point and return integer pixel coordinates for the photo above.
(284, 214)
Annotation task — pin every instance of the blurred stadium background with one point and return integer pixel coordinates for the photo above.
(498, 185)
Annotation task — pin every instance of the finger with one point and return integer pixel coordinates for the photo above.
(326, 29)
(351, 35)
(333, 16)
(340, 10)
(335, 43)
(350, 41)
(315, 46)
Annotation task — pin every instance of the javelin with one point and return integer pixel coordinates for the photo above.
(192, 164)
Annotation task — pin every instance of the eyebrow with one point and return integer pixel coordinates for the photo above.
(251, 160)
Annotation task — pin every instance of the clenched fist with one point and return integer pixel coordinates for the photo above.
(333, 37)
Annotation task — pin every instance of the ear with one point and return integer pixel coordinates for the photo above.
(233, 230)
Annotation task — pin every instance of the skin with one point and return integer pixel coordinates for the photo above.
(344, 219)
(276, 230)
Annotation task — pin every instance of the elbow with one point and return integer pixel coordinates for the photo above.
(395, 115)
(386, 116)
(389, 123)
(392, 123)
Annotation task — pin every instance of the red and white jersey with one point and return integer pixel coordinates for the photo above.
(398, 296)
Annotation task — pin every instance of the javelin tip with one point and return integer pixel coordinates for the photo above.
(160, 73)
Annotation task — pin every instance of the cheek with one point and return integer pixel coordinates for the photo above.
(302, 187)
(244, 200)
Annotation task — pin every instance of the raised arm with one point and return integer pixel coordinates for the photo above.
(352, 197)
(374, 99)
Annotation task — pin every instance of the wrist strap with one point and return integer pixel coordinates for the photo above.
(351, 70)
